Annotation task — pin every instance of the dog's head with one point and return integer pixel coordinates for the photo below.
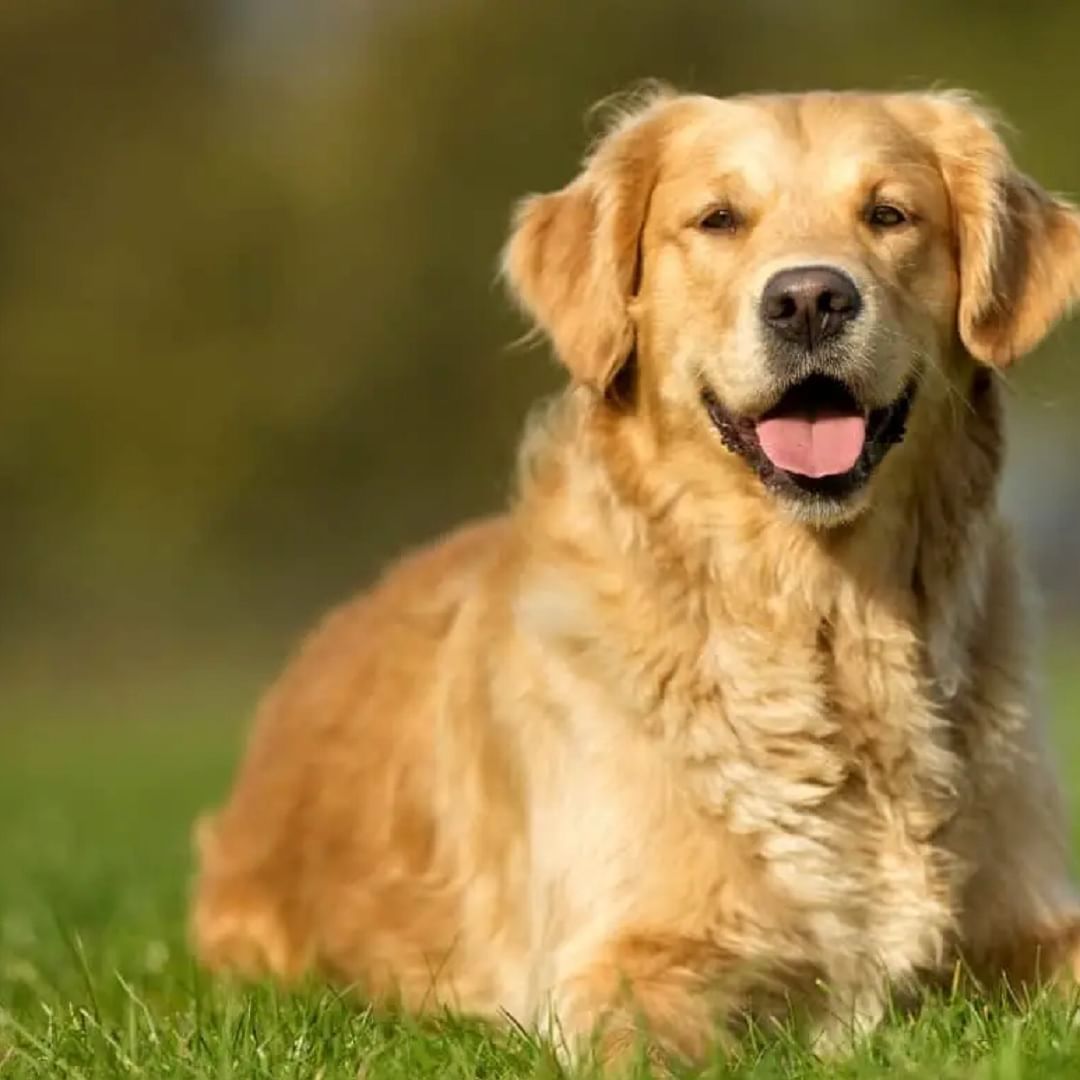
(783, 280)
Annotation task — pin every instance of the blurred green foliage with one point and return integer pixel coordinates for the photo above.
(251, 339)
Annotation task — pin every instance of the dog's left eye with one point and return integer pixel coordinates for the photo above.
(722, 219)
(884, 216)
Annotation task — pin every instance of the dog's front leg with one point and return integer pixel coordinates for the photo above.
(1020, 921)
(643, 995)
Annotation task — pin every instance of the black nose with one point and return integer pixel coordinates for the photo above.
(809, 304)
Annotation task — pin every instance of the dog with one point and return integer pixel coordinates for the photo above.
(731, 714)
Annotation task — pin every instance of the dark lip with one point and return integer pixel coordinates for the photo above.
(885, 427)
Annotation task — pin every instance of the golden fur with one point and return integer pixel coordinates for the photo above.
(658, 749)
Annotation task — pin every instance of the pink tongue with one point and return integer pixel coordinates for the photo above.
(824, 446)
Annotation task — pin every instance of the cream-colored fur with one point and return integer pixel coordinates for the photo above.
(660, 749)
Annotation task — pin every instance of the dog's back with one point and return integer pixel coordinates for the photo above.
(327, 853)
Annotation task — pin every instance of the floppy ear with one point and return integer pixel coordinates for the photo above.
(1019, 248)
(573, 258)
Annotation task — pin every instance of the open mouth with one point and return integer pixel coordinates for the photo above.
(817, 440)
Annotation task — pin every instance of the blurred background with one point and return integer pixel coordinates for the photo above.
(251, 341)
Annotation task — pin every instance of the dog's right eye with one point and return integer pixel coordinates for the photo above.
(722, 219)
(886, 216)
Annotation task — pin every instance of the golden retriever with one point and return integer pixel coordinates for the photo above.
(731, 712)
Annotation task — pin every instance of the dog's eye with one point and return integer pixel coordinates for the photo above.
(884, 216)
(722, 219)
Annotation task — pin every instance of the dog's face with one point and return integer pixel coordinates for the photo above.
(792, 276)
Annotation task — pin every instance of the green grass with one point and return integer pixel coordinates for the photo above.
(95, 980)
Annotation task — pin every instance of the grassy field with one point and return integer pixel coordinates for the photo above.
(95, 804)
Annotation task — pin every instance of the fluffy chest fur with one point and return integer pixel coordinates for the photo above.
(825, 751)
(801, 711)
(814, 747)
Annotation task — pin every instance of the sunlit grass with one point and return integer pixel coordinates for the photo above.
(95, 980)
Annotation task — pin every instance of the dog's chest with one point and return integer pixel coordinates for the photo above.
(828, 757)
